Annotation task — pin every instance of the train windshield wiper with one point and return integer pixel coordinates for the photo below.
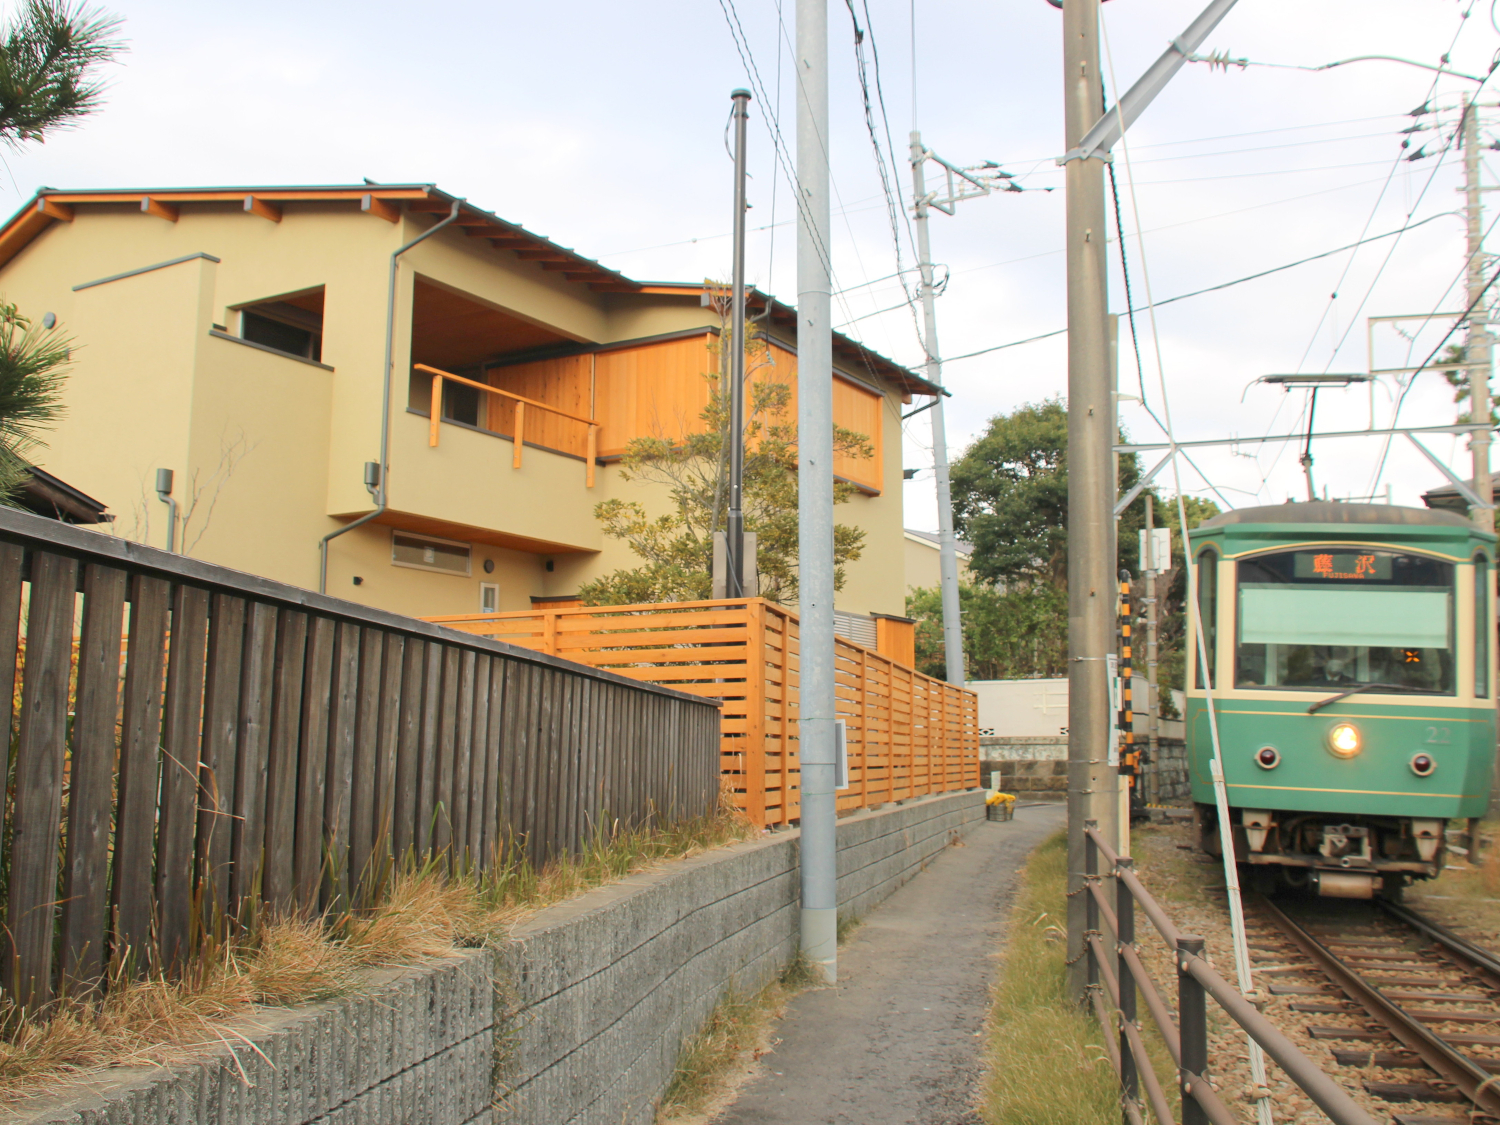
(1320, 704)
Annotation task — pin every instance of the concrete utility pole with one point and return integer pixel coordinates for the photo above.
(972, 183)
(734, 539)
(819, 917)
(1477, 355)
(1093, 784)
(953, 633)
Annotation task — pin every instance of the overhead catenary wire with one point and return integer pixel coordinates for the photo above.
(1209, 289)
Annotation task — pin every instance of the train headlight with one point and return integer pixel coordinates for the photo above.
(1344, 740)
(1268, 757)
(1422, 764)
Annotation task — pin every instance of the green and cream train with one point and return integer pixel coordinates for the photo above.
(1351, 661)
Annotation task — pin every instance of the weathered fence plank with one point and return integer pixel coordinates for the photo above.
(139, 770)
(181, 744)
(221, 730)
(312, 764)
(85, 896)
(41, 748)
(339, 795)
(281, 764)
(257, 671)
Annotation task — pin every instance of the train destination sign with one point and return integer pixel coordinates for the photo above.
(1345, 565)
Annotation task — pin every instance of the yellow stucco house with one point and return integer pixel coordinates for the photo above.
(249, 339)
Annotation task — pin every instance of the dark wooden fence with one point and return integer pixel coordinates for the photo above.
(193, 741)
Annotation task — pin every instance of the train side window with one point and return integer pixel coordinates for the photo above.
(1208, 600)
(1483, 623)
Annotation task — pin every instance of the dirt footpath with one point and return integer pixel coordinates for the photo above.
(898, 1041)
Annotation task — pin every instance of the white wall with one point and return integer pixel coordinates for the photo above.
(1039, 708)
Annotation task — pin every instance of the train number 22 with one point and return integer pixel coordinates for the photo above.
(1437, 736)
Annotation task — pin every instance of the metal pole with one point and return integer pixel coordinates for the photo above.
(1477, 346)
(1153, 705)
(1192, 1022)
(1306, 459)
(1093, 785)
(819, 916)
(734, 540)
(953, 633)
(1125, 933)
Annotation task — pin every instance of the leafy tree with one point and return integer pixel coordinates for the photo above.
(33, 364)
(50, 52)
(1010, 497)
(1459, 381)
(1008, 634)
(677, 548)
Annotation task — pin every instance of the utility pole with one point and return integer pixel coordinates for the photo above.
(734, 545)
(1477, 346)
(819, 914)
(1093, 784)
(975, 182)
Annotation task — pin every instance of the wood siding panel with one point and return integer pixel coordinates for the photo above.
(656, 390)
(563, 383)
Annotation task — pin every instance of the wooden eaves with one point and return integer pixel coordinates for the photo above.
(382, 201)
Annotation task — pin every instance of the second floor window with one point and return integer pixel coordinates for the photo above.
(291, 324)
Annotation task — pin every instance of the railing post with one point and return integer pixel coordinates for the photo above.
(1192, 1023)
(436, 416)
(1125, 924)
(1090, 907)
(592, 456)
(515, 455)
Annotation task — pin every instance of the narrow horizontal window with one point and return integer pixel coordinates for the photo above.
(427, 553)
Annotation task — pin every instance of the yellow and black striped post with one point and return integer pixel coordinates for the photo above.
(1130, 756)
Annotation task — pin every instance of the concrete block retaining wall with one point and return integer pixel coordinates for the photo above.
(578, 1021)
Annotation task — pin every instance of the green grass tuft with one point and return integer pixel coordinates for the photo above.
(1046, 1057)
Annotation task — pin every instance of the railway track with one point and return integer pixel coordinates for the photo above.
(1394, 994)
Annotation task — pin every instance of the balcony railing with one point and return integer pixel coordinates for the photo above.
(906, 734)
(591, 437)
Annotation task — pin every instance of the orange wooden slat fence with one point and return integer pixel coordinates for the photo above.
(907, 734)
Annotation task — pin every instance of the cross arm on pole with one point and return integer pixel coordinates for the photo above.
(1108, 129)
(1462, 485)
(1129, 498)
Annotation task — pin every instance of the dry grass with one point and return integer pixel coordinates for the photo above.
(736, 1035)
(420, 913)
(1040, 1041)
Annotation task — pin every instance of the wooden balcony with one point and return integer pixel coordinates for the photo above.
(907, 734)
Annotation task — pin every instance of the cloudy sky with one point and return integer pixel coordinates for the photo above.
(602, 126)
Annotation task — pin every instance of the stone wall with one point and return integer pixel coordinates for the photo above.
(577, 1021)
(1036, 769)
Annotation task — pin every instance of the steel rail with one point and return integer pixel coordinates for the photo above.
(1476, 956)
(1472, 1081)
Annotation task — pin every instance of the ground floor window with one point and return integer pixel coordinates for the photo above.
(425, 552)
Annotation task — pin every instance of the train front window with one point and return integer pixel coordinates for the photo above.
(1338, 617)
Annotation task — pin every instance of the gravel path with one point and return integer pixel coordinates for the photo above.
(898, 1041)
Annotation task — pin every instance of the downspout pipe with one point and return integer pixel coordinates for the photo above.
(381, 486)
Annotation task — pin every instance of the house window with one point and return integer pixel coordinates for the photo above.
(489, 597)
(291, 324)
(424, 552)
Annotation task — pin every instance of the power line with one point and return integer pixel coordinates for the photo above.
(1213, 288)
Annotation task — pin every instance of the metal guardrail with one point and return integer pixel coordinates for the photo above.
(1187, 1039)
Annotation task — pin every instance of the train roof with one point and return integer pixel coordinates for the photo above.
(1333, 511)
